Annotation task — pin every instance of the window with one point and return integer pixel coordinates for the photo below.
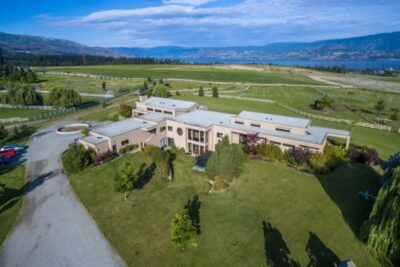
(239, 122)
(220, 135)
(167, 112)
(162, 129)
(150, 109)
(242, 138)
(125, 142)
(287, 145)
(153, 131)
(275, 143)
(170, 128)
(196, 135)
(283, 130)
(158, 110)
(255, 125)
(179, 131)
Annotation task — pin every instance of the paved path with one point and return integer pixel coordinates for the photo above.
(54, 229)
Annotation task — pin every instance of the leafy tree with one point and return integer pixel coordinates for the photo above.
(380, 105)
(177, 93)
(226, 160)
(31, 77)
(383, 225)
(76, 158)
(23, 94)
(224, 142)
(270, 151)
(63, 97)
(3, 132)
(104, 86)
(126, 179)
(215, 91)
(183, 231)
(251, 144)
(201, 91)
(125, 110)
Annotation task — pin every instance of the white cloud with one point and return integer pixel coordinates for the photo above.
(188, 2)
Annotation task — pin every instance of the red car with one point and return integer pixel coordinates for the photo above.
(8, 153)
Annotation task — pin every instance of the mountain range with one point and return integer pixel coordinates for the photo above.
(371, 47)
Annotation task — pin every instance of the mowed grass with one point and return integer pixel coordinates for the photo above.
(385, 142)
(23, 113)
(11, 201)
(85, 84)
(296, 204)
(206, 73)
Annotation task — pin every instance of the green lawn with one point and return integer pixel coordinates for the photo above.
(11, 201)
(385, 142)
(85, 84)
(304, 211)
(15, 112)
(206, 73)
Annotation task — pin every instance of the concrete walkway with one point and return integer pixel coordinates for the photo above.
(54, 229)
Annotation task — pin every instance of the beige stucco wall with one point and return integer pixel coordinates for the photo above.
(271, 126)
(99, 148)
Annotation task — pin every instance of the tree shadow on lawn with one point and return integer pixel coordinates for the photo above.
(193, 207)
(145, 174)
(276, 251)
(319, 254)
(343, 186)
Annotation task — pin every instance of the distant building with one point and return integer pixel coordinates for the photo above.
(165, 122)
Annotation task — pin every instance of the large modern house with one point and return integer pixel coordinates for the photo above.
(164, 122)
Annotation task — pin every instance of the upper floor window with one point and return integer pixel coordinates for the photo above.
(283, 130)
(150, 109)
(255, 125)
(162, 129)
(168, 112)
(239, 122)
(125, 142)
(220, 135)
(158, 110)
(170, 128)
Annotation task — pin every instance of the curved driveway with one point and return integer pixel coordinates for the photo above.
(54, 229)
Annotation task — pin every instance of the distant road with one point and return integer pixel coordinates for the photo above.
(54, 229)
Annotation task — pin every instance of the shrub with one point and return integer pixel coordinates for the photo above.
(125, 110)
(76, 158)
(127, 148)
(3, 132)
(113, 116)
(162, 158)
(105, 157)
(300, 155)
(148, 149)
(201, 91)
(183, 231)
(363, 155)
(319, 162)
(270, 151)
(2, 189)
(85, 131)
(225, 160)
(215, 92)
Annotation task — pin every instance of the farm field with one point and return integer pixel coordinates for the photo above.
(385, 142)
(302, 98)
(206, 73)
(301, 210)
(15, 112)
(85, 84)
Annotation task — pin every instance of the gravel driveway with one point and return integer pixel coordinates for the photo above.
(54, 229)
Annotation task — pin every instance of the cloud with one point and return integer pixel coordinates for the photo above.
(193, 22)
(188, 2)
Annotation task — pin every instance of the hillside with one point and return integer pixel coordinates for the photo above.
(13, 43)
(372, 47)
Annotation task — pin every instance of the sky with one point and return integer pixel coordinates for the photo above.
(199, 23)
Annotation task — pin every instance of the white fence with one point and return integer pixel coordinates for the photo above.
(16, 119)
(29, 107)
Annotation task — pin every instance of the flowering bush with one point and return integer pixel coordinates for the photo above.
(363, 155)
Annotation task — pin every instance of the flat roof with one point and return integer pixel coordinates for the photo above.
(93, 139)
(121, 127)
(155, 117)
(274, 119)
(204, 118)
(168, 103)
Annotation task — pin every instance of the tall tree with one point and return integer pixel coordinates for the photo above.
(384, 221)
(103, 86)
(183, 231)
(215, 91)
(201, 91)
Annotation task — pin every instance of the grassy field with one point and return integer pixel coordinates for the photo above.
(11, 201)
(302, 98)
(302, 211)
(85, 84)
(206, 73)
(386, 79)
(23, 113)
(385, 142)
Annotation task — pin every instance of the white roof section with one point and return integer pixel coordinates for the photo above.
(155, 117)
(121, 127)
(204, 118)
(93, 139)
(168, 103)
(274, 119)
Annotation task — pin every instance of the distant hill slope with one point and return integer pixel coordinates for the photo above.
(13, 43)
(379, 46)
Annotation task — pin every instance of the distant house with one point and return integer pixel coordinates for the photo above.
(165, 122)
